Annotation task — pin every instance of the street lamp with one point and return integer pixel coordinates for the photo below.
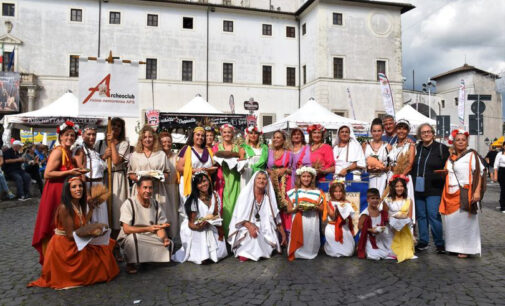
(427, 87)
(487, 141)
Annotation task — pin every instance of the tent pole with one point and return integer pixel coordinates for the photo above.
(109, 160)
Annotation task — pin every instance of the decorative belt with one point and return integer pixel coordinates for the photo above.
(59, 232)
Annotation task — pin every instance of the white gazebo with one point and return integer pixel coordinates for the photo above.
(200, 106)
(314, 113)
(414, 117)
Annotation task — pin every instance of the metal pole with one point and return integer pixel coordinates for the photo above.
(478, 123)
(207, 63)
(429, 102)
(99, 24)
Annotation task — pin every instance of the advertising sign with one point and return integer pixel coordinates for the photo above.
(9, 92)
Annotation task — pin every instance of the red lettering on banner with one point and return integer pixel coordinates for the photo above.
(102, 90)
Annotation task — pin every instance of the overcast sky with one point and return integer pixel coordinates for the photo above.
(438, 34)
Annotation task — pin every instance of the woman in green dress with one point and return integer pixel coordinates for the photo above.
(255, 152)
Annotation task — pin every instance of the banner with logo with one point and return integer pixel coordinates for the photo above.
(387, 95)
(9, 92)
(170, 121)
(108, 89)
(461, 103)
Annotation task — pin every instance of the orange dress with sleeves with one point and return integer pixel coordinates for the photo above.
(64, 266)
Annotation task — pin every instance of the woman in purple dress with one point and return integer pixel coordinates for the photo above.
(300, 152)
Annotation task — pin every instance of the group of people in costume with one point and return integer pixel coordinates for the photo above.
(216, 198)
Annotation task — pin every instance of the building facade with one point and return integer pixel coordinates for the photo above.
(279, 52)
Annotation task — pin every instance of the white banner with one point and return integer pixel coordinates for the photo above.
(461, 103)
(108, 90)
(387, 95)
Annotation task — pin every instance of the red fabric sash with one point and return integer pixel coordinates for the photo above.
(296, 236)
(365, 235)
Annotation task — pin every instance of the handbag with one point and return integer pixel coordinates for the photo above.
(419, 187)
(464, 200)
(420, 182)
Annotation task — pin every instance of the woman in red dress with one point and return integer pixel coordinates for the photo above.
(321, 154)
(60, 165)
(64, 265)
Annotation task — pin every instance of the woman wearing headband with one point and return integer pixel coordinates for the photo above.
(60, 165)
(228, 180)
(193, 157)
(64, 265)
(201, 232)
(300, 152)
(256, 223)
(321, 154)
(376, 157)
(255, 152)
(461, 197)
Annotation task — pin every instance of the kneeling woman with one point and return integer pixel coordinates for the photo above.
(305, 203)
(64, 265)
(256, 220)
(201, 232)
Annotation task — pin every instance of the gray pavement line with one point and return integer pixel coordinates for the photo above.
(371, 294)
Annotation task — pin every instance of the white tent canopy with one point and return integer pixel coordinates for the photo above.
(414, 117)
(52, 115)
(313, 113)
(199, 105)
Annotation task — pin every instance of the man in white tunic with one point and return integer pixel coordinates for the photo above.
(87, 157)
(256, 220)
(143, 237)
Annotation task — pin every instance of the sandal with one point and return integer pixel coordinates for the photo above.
(118, 255)
(131, 269)
(462, 256)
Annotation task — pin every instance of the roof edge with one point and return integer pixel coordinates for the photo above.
(405, 6)
(464, 68)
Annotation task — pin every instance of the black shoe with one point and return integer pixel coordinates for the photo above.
(440, 249)
(421, 246)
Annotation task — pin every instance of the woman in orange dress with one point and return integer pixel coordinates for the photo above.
(60, 165)
(64, 265)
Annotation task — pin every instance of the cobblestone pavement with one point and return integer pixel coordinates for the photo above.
(430, 279)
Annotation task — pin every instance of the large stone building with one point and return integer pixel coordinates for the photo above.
(280, 52)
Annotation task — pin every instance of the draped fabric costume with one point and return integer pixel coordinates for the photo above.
(339, 233)
(172, 206)
(393, 155)
(257, 160)
(304, 241)
(143, 247)
(49, 201)
(156, 161)
(192, 160)
(403, 241)
(375, 246)
(461, 228)
(322, 157)
(95, 177)
(198, 246)
(227, 184)
(351, 153)
(265, 216)
(377, 180)
(65, 267)
(119, 179)
(299, 159)
(282, 162)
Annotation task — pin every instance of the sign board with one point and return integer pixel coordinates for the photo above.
(251, 105)
(108, 89)
(478, 107)
(170, 121)
(9, 92)
(153, 118)
(476, 125)
(251, 120)
(443, 126)
(479, 97)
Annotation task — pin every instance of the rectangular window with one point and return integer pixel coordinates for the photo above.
(187, 22)
(76, 15)
(381, 115)
(304, 29)
(267, 119)
(114, 18)
(290, 32)
(227, 26)
(340, 113)
(267, 30)
(8, 9)
(227, 73)
(443, 103)
(267, 75)
(304, 74)
(381, 68)
(74, 66)
(151, 68)
(226, 2)
(338, 68)
(6, 60)
(291, 76)
(152, 20)
(337, 18)
(456, 100)
(187, 70)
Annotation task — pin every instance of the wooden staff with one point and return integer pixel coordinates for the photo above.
(109, 159)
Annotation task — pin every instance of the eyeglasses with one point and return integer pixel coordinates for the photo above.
(426, 132)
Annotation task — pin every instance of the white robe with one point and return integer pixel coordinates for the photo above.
(335, 248)
(198, 246)
(383, 241)
(378, 180)
(461, 229)
(97, 167)
(393, 156)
